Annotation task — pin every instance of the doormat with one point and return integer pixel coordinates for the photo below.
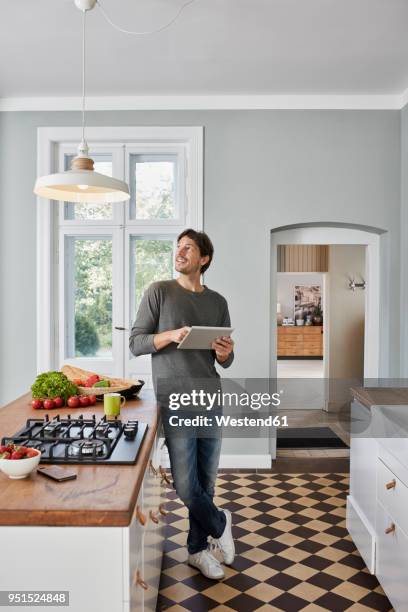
(308, 437)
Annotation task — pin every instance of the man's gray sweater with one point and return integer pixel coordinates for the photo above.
(166, 305)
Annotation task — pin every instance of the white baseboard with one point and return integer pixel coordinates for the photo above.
(246, 461)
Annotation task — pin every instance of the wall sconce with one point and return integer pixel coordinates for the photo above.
(353, 285)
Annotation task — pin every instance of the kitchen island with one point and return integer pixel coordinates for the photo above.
(100, 536)
(376, 506)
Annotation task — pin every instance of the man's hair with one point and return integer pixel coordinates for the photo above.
(203, 242)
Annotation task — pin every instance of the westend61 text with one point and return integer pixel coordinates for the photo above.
(228, 421)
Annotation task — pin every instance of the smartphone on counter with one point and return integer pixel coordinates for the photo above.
(56, 473)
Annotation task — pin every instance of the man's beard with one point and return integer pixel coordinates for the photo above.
(188, 269)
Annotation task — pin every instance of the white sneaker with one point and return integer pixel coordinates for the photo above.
(225, 543)
(207, 564)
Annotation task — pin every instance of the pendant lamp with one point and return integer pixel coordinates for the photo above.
(82, 183)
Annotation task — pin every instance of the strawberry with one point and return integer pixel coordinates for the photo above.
(5, 449)
(5, 456)
(31, 452)
(16, 455)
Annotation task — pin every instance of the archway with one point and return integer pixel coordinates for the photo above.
(333, 233)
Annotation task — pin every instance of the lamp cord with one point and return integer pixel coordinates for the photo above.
(83, 74)
(164, 27)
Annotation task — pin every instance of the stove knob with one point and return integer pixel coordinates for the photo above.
(130, 433)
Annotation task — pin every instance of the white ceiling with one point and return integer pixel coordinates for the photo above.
(215, 47)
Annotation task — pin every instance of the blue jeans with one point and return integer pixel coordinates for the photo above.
(194, 465)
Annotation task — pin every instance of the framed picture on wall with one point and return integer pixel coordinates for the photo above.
(307, 299)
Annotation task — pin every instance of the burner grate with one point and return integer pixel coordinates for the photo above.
(70, 439)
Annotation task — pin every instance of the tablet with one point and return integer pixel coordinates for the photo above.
(202, 337)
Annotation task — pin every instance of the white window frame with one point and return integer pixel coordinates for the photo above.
(181, 179)
(116, 236)
(50, 226)
(139, 367)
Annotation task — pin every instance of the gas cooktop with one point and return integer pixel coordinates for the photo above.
(82, 440)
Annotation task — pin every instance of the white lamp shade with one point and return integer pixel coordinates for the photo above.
(81, 186)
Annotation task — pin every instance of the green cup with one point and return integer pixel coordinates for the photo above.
(112, 403)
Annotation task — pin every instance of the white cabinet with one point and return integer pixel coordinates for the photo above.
(392, 559)
(105, 569)
(391, 532)
(377, 516)
(361, 501)
(144, 539)
(133, 560)
(392, 494)
(362, 533)
(153, 530)
(85, 561)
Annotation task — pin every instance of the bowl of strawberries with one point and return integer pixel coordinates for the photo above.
(18, 461)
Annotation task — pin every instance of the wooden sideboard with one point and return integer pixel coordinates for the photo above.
(296, 341)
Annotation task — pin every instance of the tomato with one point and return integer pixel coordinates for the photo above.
(73, 401)
(92, 380)
(84, 400)
(92, 400)
(31, 452)
(36, 404)
(6, 456)
(5, 449)
(59, 402)
(78, 382)
(49, 404)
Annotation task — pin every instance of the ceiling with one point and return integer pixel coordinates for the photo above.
(216, 47)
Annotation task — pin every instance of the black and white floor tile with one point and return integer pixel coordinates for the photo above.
(293, 550)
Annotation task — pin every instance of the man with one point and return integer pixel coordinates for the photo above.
(167, 311)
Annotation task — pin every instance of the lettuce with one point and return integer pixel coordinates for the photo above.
(53, 384)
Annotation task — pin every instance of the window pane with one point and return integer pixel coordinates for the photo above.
(151, 260)
(94, 211)
(89, 297)
(153, 186)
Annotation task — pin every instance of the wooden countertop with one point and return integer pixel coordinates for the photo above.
(102, 495)
(380, 396)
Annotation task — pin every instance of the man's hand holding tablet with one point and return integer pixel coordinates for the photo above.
(223, 347)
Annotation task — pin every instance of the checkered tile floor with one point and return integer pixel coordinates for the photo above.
(293, 550)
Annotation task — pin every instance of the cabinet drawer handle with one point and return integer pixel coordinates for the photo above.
(390, 529)
(164, 477)
(162, 511)
(391, 485)
(139, 580)
(153, 469)
(154, 517)
(140, 516)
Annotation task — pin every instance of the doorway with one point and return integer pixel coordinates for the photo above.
(336, 234)
(355, 257)
(301, 271)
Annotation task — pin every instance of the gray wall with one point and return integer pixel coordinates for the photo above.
(404, 242)
(346, 311)
(263, 169)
